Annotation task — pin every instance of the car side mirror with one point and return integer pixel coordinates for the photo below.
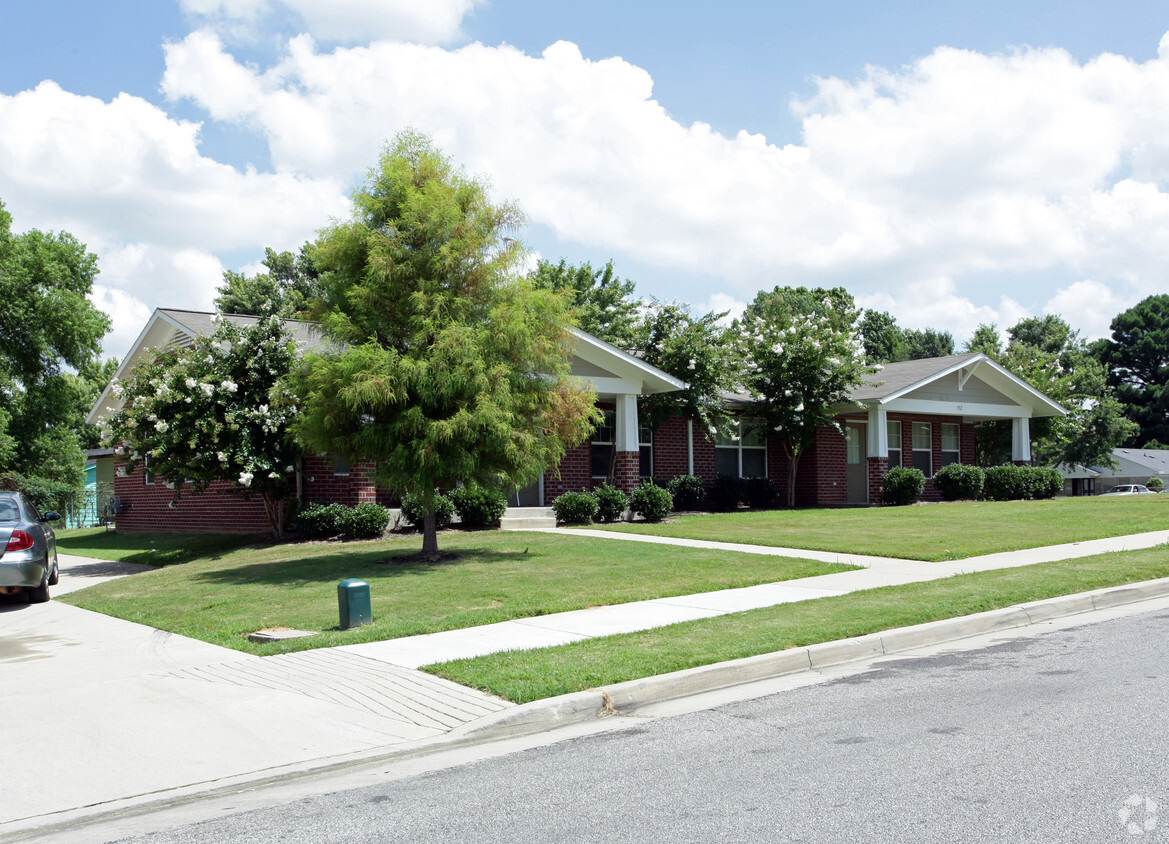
(50, 517)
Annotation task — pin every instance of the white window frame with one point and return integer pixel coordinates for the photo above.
(895, 439)
(341, 467)
(645, 440)
(735, 441)
(147, 475)
(957, 450)
(917, 450)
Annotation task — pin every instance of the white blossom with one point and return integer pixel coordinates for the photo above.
(161, 426)
(230, 386)
(222, 457)
(207, 389)
(245, 478)
(190, 382)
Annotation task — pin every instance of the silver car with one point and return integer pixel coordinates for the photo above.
(28, 562)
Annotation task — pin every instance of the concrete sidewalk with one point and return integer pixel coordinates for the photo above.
(563, 628)
(119, 714)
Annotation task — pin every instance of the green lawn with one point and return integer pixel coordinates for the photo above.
(497, 576)
(153, 549)
(522, 676)
(947, 531)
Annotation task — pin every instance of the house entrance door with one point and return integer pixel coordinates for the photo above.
(856, 463)
(531, 495)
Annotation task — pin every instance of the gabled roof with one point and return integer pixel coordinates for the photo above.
(1156, 460)
(614, 369)
(897, 380)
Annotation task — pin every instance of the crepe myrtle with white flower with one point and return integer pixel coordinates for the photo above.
(214, 411)
(806, 355)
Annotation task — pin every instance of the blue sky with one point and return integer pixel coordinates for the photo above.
(951, 163)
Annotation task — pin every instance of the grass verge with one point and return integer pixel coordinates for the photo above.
(523, 676)
(153, 549)
(495, 577)
(946, 531)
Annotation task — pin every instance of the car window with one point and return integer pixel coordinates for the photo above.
(9, 511)
(31, 511)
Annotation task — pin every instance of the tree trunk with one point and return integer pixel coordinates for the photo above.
(429, 535)
(274, 510)
(793, 464)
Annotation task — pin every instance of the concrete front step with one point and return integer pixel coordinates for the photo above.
(527, 518)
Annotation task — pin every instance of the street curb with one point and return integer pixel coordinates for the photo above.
(627, 697)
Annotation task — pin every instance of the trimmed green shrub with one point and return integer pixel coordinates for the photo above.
(902, 485)
(1020, 483)
(958, 482)
(1155, 484)
(575, 508)
(478, 507)
(363, 521)
(689, 492)
(650, 501)
(320, 521)
(725, 493)
(761, 493)
(413, 512)
(611, 503)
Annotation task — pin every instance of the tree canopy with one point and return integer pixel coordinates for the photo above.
(1138, 357)
(286, 289)
(887, 342)
(803, 355)
(604, 303)
(214, 411)
(48, 327)
(448, 367)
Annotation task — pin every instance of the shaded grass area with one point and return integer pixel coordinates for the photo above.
(153, 549)
(494, 577)
(945, 531)
(523, 676)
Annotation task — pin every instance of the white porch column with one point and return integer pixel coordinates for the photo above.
(878, 435)
(1021, 440)
(626, 423)
(690, 445)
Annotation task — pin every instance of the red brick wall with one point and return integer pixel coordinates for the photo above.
(671, 455)
(147, 507)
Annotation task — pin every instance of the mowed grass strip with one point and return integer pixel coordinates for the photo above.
(944, 531)
(495, 577)
(523, 676)
(153, 549)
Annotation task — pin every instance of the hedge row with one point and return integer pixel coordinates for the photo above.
(956, 481)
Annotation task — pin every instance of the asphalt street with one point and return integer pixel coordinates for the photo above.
(1059, 738)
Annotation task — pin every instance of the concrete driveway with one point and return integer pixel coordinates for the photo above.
(98, 710)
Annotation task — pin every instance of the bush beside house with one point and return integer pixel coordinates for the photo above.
(957, 482)
(902, 485)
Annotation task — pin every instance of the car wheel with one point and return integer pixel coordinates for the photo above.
(40, 594)
(55, 574)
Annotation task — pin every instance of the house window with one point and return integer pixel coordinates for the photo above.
(923, 448)
(601, 445)
(951, 444)
(894, 430)
(147, 475)
(742, 455)
(645, 446)
(340, 466)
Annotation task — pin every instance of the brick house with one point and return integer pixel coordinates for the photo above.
(917, 413)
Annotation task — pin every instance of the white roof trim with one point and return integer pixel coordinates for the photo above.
(974, 362)
(650, 372)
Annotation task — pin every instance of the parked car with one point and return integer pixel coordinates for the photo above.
(1130, 489)
(28, 562)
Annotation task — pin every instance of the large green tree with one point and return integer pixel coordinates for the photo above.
(448, 367)
(286, 289)
(604, 303)
(48, 327)
(1138, 360)
(212, 412)
(887, 342)
(694, 349)
(1051, 357)
(804, 354)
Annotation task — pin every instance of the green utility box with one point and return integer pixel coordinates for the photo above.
(353, 601)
